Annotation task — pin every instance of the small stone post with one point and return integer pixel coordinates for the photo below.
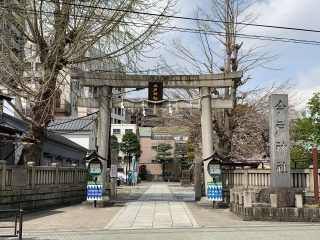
(56, 175)
(33, 173)
(3, 166)
(311, 183)
(74, 166)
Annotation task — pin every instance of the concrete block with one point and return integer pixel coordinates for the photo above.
(274, 200)
(299, 201)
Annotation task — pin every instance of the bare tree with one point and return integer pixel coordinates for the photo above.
(61, 34)
(219, 50)
(251, 136)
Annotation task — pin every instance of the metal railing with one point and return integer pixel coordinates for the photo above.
(16, 224)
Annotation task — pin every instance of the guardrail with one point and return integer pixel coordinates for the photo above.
(16, 225)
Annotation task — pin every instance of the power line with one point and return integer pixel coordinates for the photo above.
(197, 31)
(189, 18)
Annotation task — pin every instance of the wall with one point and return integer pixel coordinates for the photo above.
(81, 139)
(147, 152)
(31, 187)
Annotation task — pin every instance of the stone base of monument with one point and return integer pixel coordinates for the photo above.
(273, 204)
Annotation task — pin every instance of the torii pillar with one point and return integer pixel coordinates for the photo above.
(206, 131)
(104, 129)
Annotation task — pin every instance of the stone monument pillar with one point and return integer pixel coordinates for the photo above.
(279, 141)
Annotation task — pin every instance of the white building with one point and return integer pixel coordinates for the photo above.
(119, 130)
(79, 130)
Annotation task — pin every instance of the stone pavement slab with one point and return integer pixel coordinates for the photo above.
(158, 207)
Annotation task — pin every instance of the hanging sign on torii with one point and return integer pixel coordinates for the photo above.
(155, 91)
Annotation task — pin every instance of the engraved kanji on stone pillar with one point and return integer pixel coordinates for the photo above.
(279, 141)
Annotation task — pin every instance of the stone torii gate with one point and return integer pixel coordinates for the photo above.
(105, 81)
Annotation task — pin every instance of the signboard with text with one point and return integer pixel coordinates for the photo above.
(94, 190)
(95, 167)
(113, 170)
(214, 191)
(155, 91)
(279, 141)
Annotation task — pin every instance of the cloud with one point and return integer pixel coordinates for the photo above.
(288, 13)
(307, 84)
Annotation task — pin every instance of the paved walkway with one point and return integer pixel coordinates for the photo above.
(156, 208)
(166, 209)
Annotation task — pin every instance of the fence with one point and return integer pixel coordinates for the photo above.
(40, 186)
(32, 176)
(260, 178)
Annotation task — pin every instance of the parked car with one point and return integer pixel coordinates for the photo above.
(122, 177)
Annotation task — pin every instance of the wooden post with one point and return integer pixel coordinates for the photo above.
(315, 176)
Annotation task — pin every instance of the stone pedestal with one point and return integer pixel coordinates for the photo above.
(284, 197)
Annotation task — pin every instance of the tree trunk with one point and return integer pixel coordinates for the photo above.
(43, 111)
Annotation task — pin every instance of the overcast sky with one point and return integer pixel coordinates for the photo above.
(299, 63)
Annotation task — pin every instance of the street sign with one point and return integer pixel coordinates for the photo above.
(114, 170)
(214, 170)
(95, 167)
(214, 191)
(94, 191)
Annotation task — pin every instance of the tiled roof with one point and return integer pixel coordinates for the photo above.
(72, 124)
(7, 121)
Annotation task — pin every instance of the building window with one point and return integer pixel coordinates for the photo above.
(128, 130)
(116, 131)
